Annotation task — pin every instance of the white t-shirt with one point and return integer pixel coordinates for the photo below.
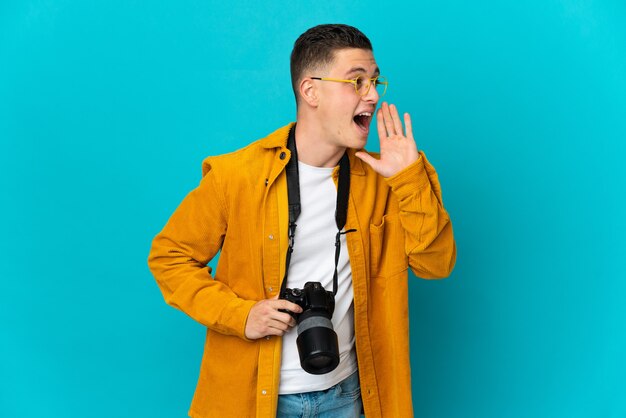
(313, 260)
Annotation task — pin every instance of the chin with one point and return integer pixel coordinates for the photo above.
(358, 143)
(358, 139)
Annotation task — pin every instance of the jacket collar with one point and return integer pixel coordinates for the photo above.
(278, 139)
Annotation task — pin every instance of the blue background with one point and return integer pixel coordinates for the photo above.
(107, 109)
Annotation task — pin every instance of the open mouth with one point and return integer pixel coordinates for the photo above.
(362, 120)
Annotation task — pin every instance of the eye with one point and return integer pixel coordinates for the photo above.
(358, 82)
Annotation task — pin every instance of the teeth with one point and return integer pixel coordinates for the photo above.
(365, 114)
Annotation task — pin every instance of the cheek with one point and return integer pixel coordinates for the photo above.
(345, 110)
(339, 110)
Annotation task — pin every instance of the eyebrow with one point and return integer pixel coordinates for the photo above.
(361, 70)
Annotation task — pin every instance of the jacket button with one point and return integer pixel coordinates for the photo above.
(282, 155)
(270, 236)
(264, 392)
(267, 337)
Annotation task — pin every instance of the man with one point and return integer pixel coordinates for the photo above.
(395, 220)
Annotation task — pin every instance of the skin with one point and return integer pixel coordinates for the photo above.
(325, 129)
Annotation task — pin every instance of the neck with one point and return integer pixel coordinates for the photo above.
(313, 151)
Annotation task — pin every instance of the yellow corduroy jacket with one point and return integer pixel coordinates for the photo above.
(240, 208)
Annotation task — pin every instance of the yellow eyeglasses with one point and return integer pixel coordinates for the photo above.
(362, 84)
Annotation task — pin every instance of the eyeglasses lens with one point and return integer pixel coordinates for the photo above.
(363, 85)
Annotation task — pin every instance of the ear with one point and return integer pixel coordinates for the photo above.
(308, 92)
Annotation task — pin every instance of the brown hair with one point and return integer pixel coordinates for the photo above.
(316, 48)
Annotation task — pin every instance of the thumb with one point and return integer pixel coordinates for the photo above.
(368, 159)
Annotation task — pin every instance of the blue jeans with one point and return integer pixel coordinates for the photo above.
(340, 401)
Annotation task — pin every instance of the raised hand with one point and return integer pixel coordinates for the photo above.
(397, 149)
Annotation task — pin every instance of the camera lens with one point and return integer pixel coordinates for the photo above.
(317, 341)
(317, 345)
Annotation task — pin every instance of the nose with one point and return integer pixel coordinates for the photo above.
(372, 95)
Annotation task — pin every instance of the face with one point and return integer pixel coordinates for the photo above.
(344, 115)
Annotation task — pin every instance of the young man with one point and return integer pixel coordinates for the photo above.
(394, 220)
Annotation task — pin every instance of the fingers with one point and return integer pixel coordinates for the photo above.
(380, 124)
(265, 318)
(275, 327)
(408, 126)
(284, 304)
(388, 121)
(398, 150)
(395, 118)
(390, 129)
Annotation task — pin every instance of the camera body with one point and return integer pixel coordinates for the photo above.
(312, 297)
(317, 342)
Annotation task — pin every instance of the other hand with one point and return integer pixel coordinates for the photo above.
(265, 318)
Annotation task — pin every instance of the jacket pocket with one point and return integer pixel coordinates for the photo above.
(387, 254)
(349, 388)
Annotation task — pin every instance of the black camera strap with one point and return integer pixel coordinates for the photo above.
(293, 195)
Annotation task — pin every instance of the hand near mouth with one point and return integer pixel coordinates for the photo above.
(397, 150)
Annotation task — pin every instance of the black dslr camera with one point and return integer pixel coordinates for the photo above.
(317, 341)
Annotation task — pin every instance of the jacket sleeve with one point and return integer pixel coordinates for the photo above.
(429, 241)
(179, 256)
